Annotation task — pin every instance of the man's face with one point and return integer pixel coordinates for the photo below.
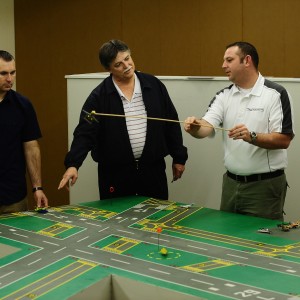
(122, 68)
(232, 64)
(7, 75)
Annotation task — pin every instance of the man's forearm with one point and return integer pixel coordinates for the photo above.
(33, 161)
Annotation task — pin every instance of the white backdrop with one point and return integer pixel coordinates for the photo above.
(201, 182)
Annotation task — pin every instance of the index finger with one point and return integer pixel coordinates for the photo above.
(63, 183)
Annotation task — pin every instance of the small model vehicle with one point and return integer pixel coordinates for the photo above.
(41, 210)
(285, 226)
(264, 230)
(187, 205)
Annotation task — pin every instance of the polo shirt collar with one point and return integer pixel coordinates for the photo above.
(257, 88)
(137, 87)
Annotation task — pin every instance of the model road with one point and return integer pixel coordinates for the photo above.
(52, 249)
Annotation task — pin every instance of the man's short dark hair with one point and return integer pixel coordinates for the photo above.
(247, 49)
(6, 56)
(109, 51)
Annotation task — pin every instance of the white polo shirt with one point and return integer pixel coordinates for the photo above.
(266, 108)
(136, 127)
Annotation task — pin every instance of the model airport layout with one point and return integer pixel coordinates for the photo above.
(137, 247)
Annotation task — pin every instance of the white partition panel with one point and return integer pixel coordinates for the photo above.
(201, 182)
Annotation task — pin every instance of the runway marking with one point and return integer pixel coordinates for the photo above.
(84, 251)
(18, 234)
(279, 265)
(123, 220)
(171, 219)
(55, 229)
(229, 284)
(159, 271)
(191, 246)
(207, 265)
(242, 257)
(7, 274)
(59, 250)
(200, 281)
(93, 224)
(83, 239)
(291, 271)
(87, 212)
(162, 240)
(121, 261)
(125, 231)
(120, 244)
(157, 255)
(52, 280)
(103, 229)
(34, 262)
(54, 244)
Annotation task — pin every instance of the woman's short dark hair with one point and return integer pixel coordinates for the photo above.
(109, 51)
(247, 49)
(6, 56)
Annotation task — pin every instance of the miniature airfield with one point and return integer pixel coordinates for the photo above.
(142, 248)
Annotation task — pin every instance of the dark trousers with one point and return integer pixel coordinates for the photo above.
(122, 180)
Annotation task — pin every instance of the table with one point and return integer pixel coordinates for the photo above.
(97, 249)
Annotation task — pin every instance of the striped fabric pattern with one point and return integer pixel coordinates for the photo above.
(137, 128)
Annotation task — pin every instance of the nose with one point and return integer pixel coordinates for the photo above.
(9, 77)
(224, 65)
(126, 64)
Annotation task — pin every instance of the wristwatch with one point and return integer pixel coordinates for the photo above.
(253, 137)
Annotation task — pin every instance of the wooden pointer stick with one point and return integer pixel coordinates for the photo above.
(151, 118)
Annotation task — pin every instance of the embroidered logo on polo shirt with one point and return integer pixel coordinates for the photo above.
(261, 109)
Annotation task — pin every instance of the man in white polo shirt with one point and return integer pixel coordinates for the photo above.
(130, 152)
(258, 114)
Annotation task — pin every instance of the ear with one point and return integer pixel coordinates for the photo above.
(247, 60)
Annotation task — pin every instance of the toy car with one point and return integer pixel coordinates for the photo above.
(41, 210)
(264, 230)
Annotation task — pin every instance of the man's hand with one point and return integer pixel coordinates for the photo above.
(70, 174)
(41, 199)
(191, 125)
(178, 170)
(198, 128)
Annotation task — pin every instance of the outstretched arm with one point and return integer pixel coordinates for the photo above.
(198, 128)
(70, 174)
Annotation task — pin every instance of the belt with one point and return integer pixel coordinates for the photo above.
(255, 177)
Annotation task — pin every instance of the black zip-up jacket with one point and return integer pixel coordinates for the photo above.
(108, 138)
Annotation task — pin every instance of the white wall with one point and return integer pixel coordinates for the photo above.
(202, 180)
(7, 26)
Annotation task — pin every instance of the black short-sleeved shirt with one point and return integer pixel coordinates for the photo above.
(18, 124)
